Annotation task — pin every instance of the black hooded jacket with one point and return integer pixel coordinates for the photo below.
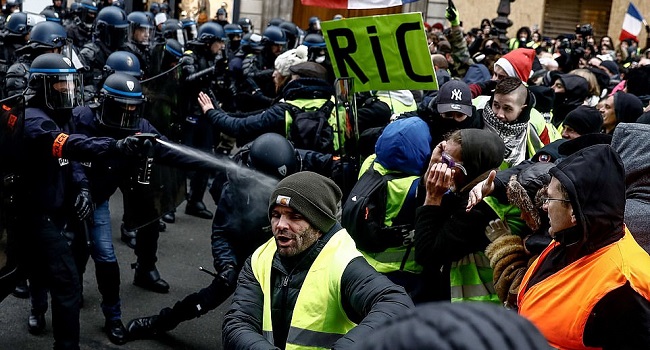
(576, 90)
(595, 181)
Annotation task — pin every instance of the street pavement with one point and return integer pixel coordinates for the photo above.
(182, 248)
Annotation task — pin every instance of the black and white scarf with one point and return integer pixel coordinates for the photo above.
(513, 135)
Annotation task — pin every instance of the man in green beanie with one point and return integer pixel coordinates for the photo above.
(308, 286)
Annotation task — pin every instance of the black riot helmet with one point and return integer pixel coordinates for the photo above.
(154, 8)
(275, 22)
(316, 47)
(314, 25)
(273, 155)
(141, 28)
(252, 43)
(122, 62)
(111, 27)
(48, 35)
(172, 53)
(273, 35)
(189, 27)
(291, 32)
(209, 32)
(246, 25)
(54, 81)
(221, 12)
(12, 6)
(121, 102)
(173, 29)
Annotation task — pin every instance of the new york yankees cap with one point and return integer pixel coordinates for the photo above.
(455, 96)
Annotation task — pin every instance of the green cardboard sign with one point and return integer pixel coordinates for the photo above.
(388, 52)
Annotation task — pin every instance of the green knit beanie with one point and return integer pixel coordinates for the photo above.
(312, 195)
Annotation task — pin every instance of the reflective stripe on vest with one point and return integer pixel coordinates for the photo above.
(313, 105)
(396, 106)
(561, 304)
(318, 317)
(391, 259)
(471, 279)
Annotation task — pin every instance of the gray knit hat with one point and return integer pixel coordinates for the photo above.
(312, 195)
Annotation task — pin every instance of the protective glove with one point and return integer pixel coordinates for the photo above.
(452, 14)
(228, 276)
(497, 228)
(133, 146)
(83, 205)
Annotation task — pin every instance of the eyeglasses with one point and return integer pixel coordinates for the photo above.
(447, 159)
(546, 200)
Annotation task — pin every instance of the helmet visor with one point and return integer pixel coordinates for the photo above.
(63, 91)
(141, 35)
(121, 113)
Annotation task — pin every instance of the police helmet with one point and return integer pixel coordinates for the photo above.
(154, 8)
(232, 28)
(122, 62)
(291, 32)
(275, 22)
(74, 10)
(121, 102)
(12, 6)
(210, 32)
(111, 27)
(174, 48)
(314, 40)
(173, 29)
(20, 23)
(189, 27)
(246, 24)
(222, 12)
(53, 78)
(141, 28)
(234, 33)
(51, 15)
(274, 35)
(314, 24)
(47, 35)
(89, 11)
(274, 155)
(164, 8)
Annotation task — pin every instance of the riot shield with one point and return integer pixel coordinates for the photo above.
(11, 242)
(346, 170)
(145, 203)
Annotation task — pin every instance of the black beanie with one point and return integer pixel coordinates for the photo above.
(584, 120)
(314, 196)
(544, 97)
(482, 150)
(628, 108)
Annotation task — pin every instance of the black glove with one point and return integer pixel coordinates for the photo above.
(133, 146)
(83, 205)
(228, 276)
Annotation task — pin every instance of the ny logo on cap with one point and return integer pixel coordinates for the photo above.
(456, 94)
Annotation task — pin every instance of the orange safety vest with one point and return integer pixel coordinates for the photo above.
(561, 304)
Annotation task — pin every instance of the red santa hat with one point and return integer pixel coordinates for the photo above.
(518, 63)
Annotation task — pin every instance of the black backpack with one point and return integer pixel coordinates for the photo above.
(311, 130)
(364, 213)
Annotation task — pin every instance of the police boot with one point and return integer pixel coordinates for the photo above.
(162, 226)
(142, 328)
(36, 323)
(170, 217)
(149, 279)
(115, 331)
(128, 237)
(22, 290)
(198, 209)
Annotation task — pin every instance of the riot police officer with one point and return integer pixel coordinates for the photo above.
(238, 228)
(110, 30)
(246, 25)
(318, 53)
(221, 17)
(205, 62)
(141, 35)
(234, 33)
(189, 27)
(14, 36)
(81, 32)
(260, 67)
(58, 8)
(55, 186)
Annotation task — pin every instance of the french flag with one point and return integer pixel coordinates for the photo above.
(632, 24)
(355, 4)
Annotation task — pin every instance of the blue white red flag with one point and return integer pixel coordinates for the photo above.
(355, 4)
(632, 24)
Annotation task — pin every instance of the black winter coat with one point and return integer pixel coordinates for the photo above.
(368, 297)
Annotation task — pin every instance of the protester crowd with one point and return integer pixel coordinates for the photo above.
(504, 210)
